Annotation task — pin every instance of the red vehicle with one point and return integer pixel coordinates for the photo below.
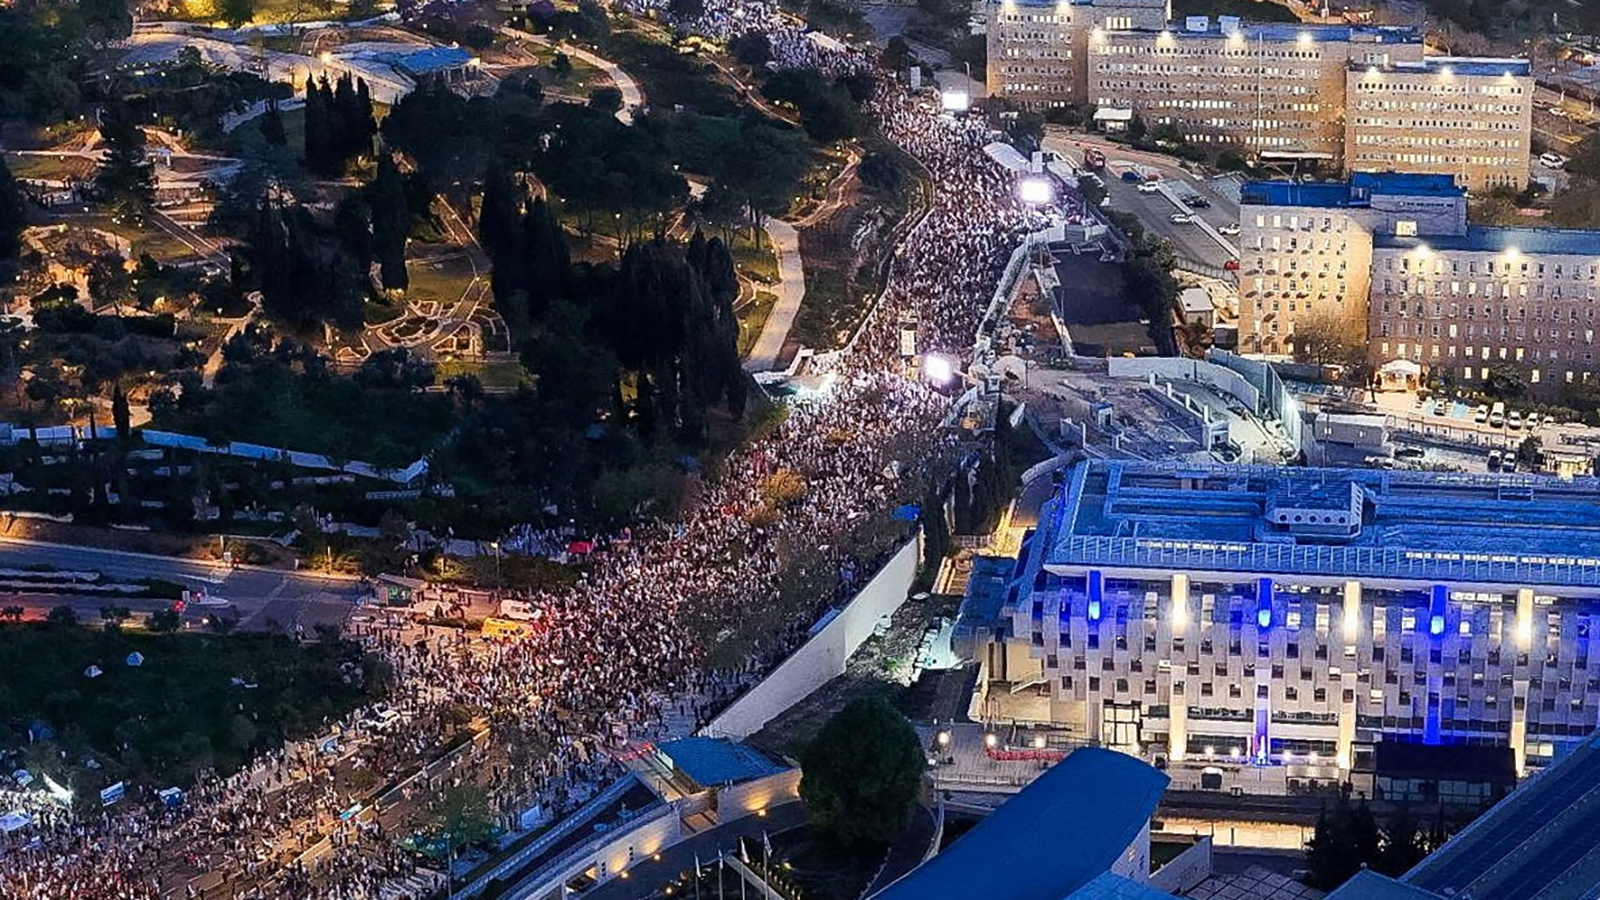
(1231, 265)
(1093, 158)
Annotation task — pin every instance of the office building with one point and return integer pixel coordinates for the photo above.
(1280, 623)
(1038, 49)
(1305, 250)
(1467, 118)
(1463, 303)
(1278, 90)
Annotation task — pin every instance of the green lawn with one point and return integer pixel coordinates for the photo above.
(753, 318)
(178, 712)
(442, 281)
(506, 375)
(759, 263)
(247, 142)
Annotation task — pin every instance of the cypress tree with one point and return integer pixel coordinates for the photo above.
(391, 223)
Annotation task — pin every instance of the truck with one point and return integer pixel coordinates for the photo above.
(1094, 159)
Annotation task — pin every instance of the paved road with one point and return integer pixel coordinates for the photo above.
(1189, 241)
(257, 594)
(647, 879)
(791, 291)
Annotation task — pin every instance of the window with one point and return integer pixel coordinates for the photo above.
(1405, 228)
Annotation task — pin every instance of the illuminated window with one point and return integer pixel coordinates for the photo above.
(1405, 228)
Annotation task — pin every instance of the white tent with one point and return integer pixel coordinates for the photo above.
(93, 672)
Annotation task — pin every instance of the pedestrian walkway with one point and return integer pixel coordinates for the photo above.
(632, 97)
(791, 292)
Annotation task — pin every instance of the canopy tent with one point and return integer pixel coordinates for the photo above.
(1007, 156)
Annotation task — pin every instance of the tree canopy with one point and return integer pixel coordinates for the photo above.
(862, 773)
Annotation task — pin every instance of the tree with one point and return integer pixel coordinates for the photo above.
(272, 126)
(125, 179)
(13, 218)
(236, 12)
(1404, 844)
(162, 621)
(1345, 839)
(1505, 381)
(561, 65)
(391, 223)
(63, 615)
(753, 48)
(1530, 453)
(107, 20)
(462, 818)
(109, 281)
(606, 99)
(896, 54)
(120, 414)
(1329, 338)
(862, 773)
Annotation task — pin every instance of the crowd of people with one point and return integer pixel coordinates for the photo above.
(659, 627)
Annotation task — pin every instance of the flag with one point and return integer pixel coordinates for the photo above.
(697, 875)
(766, 844)
(744, 852)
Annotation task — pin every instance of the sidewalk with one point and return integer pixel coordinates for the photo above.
(791, 293)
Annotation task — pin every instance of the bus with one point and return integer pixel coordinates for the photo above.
(506, 629)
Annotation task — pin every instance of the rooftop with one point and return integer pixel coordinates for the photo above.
(1356, 192)
(715, 761)
(1542, 841)
(1285, 33)
(1456, 65)
(427, 60)
(1433, 526)
(1053, 839)
(1499, 239)
(1369, 885)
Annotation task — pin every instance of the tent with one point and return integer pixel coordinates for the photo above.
(13, 821)
(1399, 375)
(93, 672)
(135, 659)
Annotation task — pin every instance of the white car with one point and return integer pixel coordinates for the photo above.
(1149, 187)
(1551, 161)
(1229, 229)
(1181, 218)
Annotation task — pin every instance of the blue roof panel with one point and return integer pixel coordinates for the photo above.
(1054, 838)
(714, 761)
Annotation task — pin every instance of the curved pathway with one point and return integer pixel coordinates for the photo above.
(632, 97)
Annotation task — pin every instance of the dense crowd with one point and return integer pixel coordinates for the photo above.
(626, 655)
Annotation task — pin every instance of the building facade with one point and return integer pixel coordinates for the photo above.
(1038, 49)
(1272, 89)
(1461, 304)
(1305, 252)
(1467, 118)
(1295, 618)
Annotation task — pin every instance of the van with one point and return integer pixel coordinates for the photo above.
(1551, 161)
(1497, 416)
(506, 629)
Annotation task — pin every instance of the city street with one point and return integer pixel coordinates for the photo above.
(1191, 242)
(255, 594)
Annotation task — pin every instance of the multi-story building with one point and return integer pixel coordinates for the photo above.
(1462, 303)
(1305, 250)
(1467, 118)
(1292, 619)
(1038, 49)
(1273, 89)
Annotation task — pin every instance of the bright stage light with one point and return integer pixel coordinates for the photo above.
(953, 101)
(1035, 191)
(938, 369)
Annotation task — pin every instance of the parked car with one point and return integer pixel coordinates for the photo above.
(1131, 177)
(1482, 414)
(1149, 187)
(1230, 228)
(1494, 460)
(1410, 453)
(1551, 161)
(1231, 265)
(1181, 218)
(1497, 416)
(1441, 407)
(1514, 420)
(1197, 202)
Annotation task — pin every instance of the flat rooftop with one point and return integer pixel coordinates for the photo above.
(1500, 239)
(1357, 192)
(1442, 527)
(1456, 65)
(1542, 841)
(1285, 33)
(717, 761)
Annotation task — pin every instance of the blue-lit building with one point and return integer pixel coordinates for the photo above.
(1283, 622)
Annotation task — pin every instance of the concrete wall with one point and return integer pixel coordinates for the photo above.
(610, 853)
(1197, 370)
(740, 800)
(823, 656)
(1185, 871)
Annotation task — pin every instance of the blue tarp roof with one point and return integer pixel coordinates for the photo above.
(713, 761)
(1355, 192)
(428, 59)
(1115, 887)
(1369, 885)
(1055, 837)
